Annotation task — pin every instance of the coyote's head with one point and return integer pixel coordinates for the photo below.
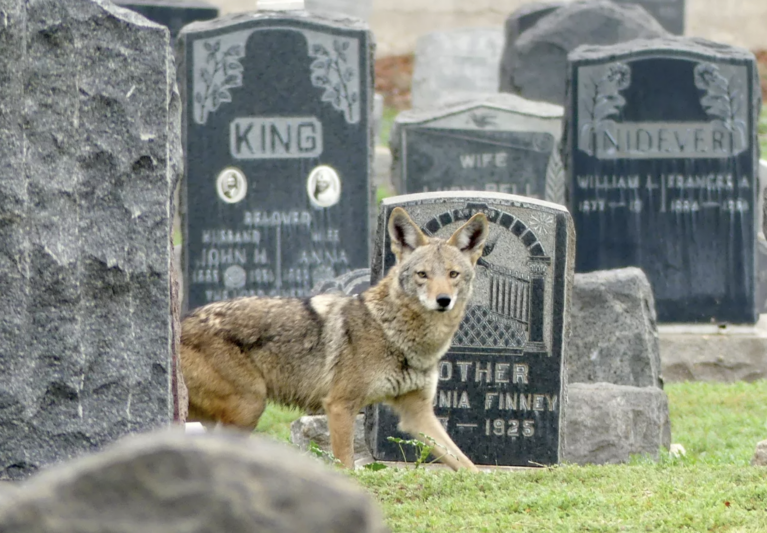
(437, 272)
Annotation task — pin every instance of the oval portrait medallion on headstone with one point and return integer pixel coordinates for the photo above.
(231, 185)
(323, 186)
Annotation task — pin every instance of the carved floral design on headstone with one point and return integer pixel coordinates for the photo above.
(223, 71)
(723, 101)
(218, 68)
(332, 72)
(604, 101)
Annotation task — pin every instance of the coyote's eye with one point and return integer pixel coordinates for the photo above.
(454, 274)
(421, 274)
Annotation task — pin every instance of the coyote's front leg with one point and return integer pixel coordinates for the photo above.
(417, 416)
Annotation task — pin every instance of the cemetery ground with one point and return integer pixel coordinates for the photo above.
(711, 488)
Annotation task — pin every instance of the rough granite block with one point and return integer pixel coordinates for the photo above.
(89, 156)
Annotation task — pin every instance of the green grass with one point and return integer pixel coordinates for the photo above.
(276, 420)
(712, 488)
(569, 498)
(718, 424)
(763, 132)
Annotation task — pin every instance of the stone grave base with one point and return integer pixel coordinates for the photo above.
(315, 428)
(703, 352)
(607, 424)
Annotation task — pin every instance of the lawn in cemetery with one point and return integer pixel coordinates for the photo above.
(711, 488)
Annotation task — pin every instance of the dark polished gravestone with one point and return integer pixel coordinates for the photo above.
(502, 383)
(499, 143)
(662, 164)
(278, 151)
(90, 144)
(174, 14)
(670, 13)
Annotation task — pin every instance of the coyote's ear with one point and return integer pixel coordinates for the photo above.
(470, 238)
(405, 235)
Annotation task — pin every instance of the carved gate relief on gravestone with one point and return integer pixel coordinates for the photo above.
(277, 144)
(662, 169)
(500, 385)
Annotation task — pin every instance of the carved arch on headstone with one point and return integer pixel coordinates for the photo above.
(517, 299)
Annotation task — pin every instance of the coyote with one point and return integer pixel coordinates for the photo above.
(340, 353)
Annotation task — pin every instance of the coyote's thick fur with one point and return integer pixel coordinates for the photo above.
(336, 352)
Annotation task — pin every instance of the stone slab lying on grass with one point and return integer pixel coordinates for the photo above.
(760, 455)
(315, 428)
(703, 352)
(614, 337)
(209, 483)
(607, 424)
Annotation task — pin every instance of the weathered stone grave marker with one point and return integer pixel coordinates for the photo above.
(536, 62)
(670, 13)
(458, 62)
(278, 144)
(501, 143)
(90, 145)
(502, 382)
(175, 14)
(663, 168)
(360, 9)
(521, 20)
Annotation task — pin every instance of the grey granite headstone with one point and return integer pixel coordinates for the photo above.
(279, 151)
(502, 382)
(614, 335)
(175, 14)
(662, 158)
(500, 143)
(670, 13)
(457, 62)
(90, 152)
(521, 20)
(360, 9)
(536, 62)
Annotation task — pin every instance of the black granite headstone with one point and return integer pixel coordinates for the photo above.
(278, 144)
(662, 165)
(500, 143)
(670, 13)
(175, 14)
(501, 384)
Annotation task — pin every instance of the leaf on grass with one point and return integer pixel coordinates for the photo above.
(375, 467)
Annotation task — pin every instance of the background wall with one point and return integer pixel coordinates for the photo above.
(398, 23)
